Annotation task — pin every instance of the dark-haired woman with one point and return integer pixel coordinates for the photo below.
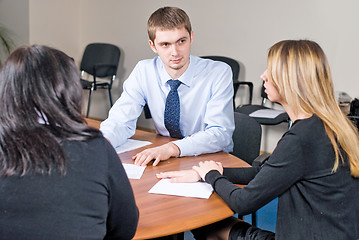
(59, 178)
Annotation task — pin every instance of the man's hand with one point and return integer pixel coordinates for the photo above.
(180, 176)
(160, 153)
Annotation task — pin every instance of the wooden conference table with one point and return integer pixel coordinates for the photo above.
(162, 215)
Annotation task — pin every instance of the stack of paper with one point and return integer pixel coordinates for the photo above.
(197, 189)
(133, 171)
(131, 144)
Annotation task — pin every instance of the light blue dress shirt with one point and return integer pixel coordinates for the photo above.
(206, 117)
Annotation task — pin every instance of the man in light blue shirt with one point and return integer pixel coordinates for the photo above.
(205, 94)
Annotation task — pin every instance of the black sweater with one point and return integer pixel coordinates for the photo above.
(93, 200)
(314, 202)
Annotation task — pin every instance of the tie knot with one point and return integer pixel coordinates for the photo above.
(174, 84)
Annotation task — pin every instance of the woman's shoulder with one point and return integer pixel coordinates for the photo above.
(308, 126)
(309, 135)
(95, 156)
(94, 141)
(94, 148)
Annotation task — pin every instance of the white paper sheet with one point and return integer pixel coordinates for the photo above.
(131, 144)
(133, 171)
(196, 190)
(266, 113)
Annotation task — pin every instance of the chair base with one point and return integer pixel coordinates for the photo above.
(90, 95)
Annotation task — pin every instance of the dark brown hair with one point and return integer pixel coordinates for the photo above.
(40, 102)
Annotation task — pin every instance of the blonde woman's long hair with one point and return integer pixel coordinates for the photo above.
(300, 72)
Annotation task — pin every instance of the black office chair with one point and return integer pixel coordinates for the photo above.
(251, 108)
(147, 112)
(101, 61)
(354, 112)
(235, 71)
(246, 137)
(247, 142)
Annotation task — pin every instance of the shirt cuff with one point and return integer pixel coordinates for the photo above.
(182, 146)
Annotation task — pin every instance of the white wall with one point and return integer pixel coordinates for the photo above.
(240, 29)
(57, 24)
(14, 15)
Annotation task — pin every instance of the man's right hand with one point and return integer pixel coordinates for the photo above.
(160, 153)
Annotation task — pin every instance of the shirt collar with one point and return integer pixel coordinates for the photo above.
(186, 78)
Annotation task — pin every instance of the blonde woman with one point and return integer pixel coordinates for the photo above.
(314, 169)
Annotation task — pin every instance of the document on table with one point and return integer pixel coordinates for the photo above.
(133, 171)
(131, 144)
(196, 190)
(266, 113)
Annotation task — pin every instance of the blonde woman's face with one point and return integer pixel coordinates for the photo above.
(270, 90)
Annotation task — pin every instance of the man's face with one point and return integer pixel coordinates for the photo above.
(173, 46)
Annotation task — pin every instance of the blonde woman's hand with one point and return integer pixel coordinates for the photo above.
(204, 167)
(180, 176)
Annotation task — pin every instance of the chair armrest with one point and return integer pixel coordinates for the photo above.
(249, 84)
(260, 159)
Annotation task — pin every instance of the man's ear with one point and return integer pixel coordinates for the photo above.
(152, 45)
(191, 37)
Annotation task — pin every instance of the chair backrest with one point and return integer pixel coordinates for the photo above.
(100, 59)
(230, 61)
(246, 137)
